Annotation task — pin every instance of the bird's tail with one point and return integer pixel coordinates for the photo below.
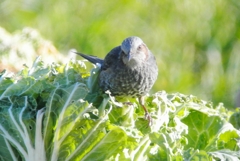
(92, 59)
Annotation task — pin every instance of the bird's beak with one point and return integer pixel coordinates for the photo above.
(129, 56)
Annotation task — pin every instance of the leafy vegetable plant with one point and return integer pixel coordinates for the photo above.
(57, 113)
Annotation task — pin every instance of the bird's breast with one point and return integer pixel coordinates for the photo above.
(128, 82)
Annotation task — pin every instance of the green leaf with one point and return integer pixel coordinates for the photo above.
(18, 128)
(203, 130)
(229, 139)
(235, 119)
(226, 154)
(58, 113)
(196, 155)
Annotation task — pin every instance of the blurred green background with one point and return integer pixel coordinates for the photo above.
(196, 42)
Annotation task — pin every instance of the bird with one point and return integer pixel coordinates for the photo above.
(128, 70)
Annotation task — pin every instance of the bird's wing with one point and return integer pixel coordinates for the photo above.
(112, 58)
(92, 59)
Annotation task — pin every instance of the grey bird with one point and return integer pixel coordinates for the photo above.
(129, 70)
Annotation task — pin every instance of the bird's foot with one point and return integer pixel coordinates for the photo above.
(149, 118)
(128, 103)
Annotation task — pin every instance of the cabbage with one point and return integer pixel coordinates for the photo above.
(57, 113)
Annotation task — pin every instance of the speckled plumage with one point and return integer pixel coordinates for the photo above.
(122, 80)
(127, 70)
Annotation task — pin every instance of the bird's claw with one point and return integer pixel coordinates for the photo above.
(149, 118)
(128, 103)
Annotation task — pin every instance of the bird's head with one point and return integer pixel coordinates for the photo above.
(134, 51)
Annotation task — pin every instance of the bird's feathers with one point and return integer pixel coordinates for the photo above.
(123, 76)
(127, 70)
(92, 59)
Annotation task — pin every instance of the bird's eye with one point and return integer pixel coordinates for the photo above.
(139, 47)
